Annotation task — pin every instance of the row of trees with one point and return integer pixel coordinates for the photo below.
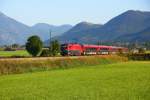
(34, 46)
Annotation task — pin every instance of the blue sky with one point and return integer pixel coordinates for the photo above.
(59, 12)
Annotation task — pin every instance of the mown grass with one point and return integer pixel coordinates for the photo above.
(14, 53)
(14, 66)
(120, 81)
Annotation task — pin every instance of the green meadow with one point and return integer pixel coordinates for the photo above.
(118, 81)
(14, 53)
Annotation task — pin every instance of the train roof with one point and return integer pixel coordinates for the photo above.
(94, 46)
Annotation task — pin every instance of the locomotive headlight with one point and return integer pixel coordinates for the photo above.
(69, 52)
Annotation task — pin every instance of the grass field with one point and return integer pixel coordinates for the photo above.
(14, 53)
(148, 51)
(121, 81)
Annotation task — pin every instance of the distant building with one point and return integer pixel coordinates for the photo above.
(135, 50)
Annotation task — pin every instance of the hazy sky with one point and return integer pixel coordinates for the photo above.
(59, 12)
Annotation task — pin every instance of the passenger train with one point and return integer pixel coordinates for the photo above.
(74, 49)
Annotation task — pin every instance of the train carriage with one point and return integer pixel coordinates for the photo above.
(90, 49)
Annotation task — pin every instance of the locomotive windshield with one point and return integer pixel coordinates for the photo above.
(63, 47)
(64, 50)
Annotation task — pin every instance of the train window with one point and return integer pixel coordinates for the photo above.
(91, 49)
(104, 49)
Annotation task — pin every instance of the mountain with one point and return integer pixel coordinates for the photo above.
(78, 32)
(82, 26)
(12, 31)
(43, 30)
(129, 22)
(126, 23)
(128, 26)
(136, 37)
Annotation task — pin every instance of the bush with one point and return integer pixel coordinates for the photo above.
(142, 50)
(45, 53)
(9, 49)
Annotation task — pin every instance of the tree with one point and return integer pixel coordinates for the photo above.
(147, 45)
(54, 48)
(34, 45)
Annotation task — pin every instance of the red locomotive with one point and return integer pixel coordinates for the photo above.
(74, 49)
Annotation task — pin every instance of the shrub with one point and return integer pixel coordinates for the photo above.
(142, 50)
(45, 53)
(9, 49)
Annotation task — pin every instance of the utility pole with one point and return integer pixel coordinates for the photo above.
(50, 39)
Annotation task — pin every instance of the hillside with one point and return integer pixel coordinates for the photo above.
(12, 31)
(79, 32)
(127, 23)
(138, 37)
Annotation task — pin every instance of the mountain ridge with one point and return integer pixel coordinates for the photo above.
(128, 22)
(13, 31)
(129, 25)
